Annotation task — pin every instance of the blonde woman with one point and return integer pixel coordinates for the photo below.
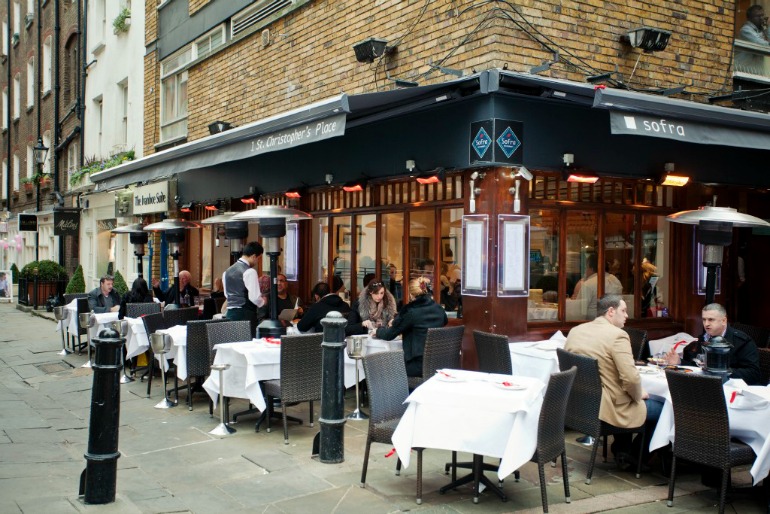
(413, 322)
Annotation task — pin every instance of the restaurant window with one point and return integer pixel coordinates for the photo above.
(581, 265)
(752, 50)
(341, 246)
(422, 256)
(319, 273)
(449, 281)
(392, 248)
(365, 249)
(620, 257)
(654, 290)
(544, 266)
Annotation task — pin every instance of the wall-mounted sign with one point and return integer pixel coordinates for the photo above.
(108, 224)
(66, 222)
(151, 198)
(496, 141)
(27, 223)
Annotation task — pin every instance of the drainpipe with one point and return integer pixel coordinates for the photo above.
(8, 113)
(83, 20)
(56, 127)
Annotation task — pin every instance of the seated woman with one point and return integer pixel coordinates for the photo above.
(139, 293)
(375, 308)
(413, 322)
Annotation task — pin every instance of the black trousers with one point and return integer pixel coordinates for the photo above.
(244, 315)
(414, 367)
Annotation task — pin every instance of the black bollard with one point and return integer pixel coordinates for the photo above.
(332, 420)
(98, 480)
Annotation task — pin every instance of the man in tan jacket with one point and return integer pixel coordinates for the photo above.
(624, 403)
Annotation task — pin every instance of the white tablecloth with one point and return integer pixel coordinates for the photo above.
(137, 341)
(257, 360)
(178, 350)
(536, 359)
(542, 313)
(474, 416)
(665, 344)
(71, 322)
(750, 425)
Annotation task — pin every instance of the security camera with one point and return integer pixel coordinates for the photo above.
(524, 173)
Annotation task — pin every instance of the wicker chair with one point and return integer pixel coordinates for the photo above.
(703, 428)
(639, 347)
(180, 316)
(760, 335)
(550, 429)
(153, 323)
(764, 363)
(493, 352)
(73, 296)
(136, 310)
(300, 376)
(388, 388)
(198, 357)
(226, 332)
(442, 350)
(582, 413)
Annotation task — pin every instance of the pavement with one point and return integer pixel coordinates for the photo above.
(169, 463)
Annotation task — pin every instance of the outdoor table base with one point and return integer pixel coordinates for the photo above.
(477, 477)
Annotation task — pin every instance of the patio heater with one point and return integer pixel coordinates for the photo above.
(715, 231)
(175, 232)
(235, 231)
(138, 237)
(272, 226)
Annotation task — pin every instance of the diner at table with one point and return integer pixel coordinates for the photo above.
(104, 298)
(139, 293)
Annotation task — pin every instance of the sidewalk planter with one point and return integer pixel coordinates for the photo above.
(35, 288)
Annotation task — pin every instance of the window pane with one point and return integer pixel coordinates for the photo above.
(581, 265)
(544, 266)
(451, 259)
(366, 241)
(619, 243)
(169, 98)
(393, 252)
(321, 249)
(422, 261)
(342, 244)
(654, 293)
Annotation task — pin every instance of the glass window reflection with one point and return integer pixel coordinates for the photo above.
(544, 266)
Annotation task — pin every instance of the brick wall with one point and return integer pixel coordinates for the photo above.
(310, 55)
(197, 5)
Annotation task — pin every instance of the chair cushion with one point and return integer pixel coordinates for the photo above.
(741, 453)
(272, 388)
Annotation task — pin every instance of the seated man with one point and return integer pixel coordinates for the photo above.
(744, 359)
(172, 295)
(325, 302)
(104, 298)
(624, 403)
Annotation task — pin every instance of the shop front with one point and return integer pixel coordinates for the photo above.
(402, 186)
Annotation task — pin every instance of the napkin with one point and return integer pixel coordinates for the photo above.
(558, 336)
(747, 400)
(273, 340)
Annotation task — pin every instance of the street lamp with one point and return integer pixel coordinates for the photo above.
(40, 151)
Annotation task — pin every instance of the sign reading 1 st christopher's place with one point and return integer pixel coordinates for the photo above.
(151, 198)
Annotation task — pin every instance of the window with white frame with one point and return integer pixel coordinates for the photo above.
(31, 7)
(48, 157)
(205, 45)
(5, 178)
(5, 108)
(30, 162)
(99, 122)
(47, 64)
(5, 37)
(16, 17)
(16, 171)
(173, 95)
(123, 112)
(100, 21)
(72, 158)
(17, 96)
(31, 82)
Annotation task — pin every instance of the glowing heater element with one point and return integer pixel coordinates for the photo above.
(211, 207)
(433, 179)
(248, 200)
(352, 188)
(582, 179)
(293, 193)
(675, 180)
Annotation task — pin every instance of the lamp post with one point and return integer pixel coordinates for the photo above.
(40, 151)
(272, 226)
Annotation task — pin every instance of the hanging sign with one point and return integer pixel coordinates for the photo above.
(27, 223)
(66, 222)
(151, 198)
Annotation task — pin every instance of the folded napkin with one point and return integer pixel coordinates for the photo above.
(747, 400)
(272, 340)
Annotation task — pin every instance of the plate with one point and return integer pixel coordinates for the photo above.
(444, 377)
(647, 370)
(510, 386)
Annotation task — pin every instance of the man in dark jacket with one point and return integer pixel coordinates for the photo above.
(744, 359)
(172, 295)
(325, 302)
(104, 298)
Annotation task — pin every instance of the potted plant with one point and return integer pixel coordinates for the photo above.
(28, 185)
(123, 21)
(77, 283)
(48, 274)
(44, 179)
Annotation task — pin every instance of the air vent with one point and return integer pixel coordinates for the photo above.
(255, 15)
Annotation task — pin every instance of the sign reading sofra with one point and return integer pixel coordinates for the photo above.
(496, 141)
(151, 198)
(27, 223)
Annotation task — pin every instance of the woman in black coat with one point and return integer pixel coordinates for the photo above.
(139, 293)
(413, 322)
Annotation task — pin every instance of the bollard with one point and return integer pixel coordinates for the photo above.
(98, 480)
(332, 420)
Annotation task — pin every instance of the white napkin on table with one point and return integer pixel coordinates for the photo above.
(746, 397)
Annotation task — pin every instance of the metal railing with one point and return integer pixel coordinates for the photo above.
(41, 291)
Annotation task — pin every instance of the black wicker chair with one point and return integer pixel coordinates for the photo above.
(136, 310)
(582, 413)
(301, 358)
(198, 357)
(639, 347)
(703, 428)
(550, 429)
(760, 335)
(493, 352)
(153, 323)
(388, 387)
(226, 332)
(82, 307)
(442, 350)
(180, 316)
(764, 364)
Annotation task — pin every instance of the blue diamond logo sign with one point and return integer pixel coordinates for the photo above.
(508, 142)
(481, 142)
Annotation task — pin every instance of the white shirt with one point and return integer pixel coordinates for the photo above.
(251, 281)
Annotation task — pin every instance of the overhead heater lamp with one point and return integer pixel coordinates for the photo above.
(236, 231)
(175, 233)
(138, 237)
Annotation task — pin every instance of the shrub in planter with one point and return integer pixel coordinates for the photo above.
(47, 270)
(15, 273)
(120, 284)
(77, 283)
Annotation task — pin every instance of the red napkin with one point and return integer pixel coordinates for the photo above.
(273, 340)
(680, 343)
(391, 452)
(732, 396)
